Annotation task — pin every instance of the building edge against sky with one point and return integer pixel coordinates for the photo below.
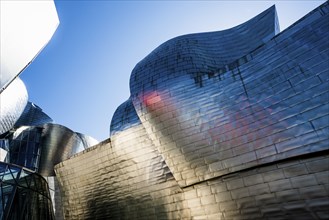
(206, 137)
(210, 131)
(31, 144)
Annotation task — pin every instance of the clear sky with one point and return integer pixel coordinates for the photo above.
(82, 75)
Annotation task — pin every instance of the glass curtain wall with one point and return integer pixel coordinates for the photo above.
(24, 195)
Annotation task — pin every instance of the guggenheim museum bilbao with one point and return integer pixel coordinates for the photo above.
(232, 124)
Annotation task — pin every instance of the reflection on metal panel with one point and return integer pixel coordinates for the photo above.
(87, 140)
(26, 27)
(126, 177)
(25, 147)
(3, 154)
(124, 117)
(203, 53)
(12, 103)
(39, 148)
(247, 142)
(225, 101)
(58, 143)
(32, 116)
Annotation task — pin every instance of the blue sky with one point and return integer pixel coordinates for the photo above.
(82, 75)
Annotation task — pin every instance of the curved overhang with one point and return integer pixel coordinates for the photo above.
(203, 52)
(32, 116)
(12, 103)
(124, 117)
(26, 27)
(87, 140)
(58, 144)
(211, 100)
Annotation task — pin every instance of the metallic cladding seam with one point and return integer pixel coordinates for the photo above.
(32, 116)
(247, 143)
(12, 103)
(225, 108)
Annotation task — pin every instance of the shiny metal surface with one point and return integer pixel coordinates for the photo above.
(87, 141)
(215, 138)
(12, 103)
(26, 27)
(58, 144)
(32, 116)
(39, 148)
(124, 117)
(126, 178)
(220, 102)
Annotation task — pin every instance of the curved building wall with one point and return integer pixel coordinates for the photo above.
(26, 27)
(58, 144)
(246, 142)
(125, 177)
(25, 147)
(24, 194)
(32, 116)
(13, 101)
(39, 148)
(209, 115)
(124, 117)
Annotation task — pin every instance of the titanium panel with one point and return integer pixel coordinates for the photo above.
(249, 141)
(126, 178)
(12, 103)
(58, 144)
(26, 27)
(39, 148)
(32, 116)
(87, 141)
(124, 117)
(219, 102)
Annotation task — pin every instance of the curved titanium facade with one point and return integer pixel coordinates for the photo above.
(26, 27)
(24, 194)
(124, 117)
(39, 148)
(13, 101)
(58, 144)
(27, 137)
(32, 116)
(219, 109)
(189, 94)
(214, 133)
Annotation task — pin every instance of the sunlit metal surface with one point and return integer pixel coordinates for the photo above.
(58, 143)
(12, 103)
(230, 100)
(3, 154)
(124, 117)
(127, 178)
(32, 116)
(24, 194)
(87, 141)
(39, 148)
(26, 27)
(247, 140)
